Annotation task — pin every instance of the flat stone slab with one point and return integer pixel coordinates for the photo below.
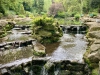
(23, 61)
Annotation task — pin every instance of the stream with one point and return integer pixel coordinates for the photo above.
(66, 58)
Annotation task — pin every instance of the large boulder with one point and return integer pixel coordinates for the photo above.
(3, 22)
(94, 28)
(94, 47)
(94, 57)
(39, 49)
(94, 34)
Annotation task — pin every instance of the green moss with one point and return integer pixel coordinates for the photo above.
(95, 71)
(23, 53)
(77, 17)
(39, 53)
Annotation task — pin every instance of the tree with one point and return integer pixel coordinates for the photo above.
(95, 3)
(55, 8)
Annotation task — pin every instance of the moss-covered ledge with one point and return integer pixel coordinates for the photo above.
(92, 54)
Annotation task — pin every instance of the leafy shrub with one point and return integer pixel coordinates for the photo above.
(28, 13)
(72, 14)
(61, 14)
(77, 16)
(10, 14)
(92, 15)
(45, 30)
(1, 15)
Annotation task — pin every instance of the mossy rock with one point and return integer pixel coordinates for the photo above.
(2, 32)
(94, 34)
(40, 54)
(95, 28)
(95, 71)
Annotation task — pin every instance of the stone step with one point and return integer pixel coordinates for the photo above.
(16, 43)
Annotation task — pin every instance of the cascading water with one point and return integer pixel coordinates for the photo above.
(71, 48)
(78, 29)
(44, 71)
(15, 35)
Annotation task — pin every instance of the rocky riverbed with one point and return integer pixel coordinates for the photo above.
(70, 62)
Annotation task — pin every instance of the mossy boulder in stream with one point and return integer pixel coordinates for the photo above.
(45, 30)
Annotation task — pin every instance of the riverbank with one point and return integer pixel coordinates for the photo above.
(92, 55)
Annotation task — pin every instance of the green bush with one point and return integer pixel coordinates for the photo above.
(46, 30)
(77, 17)
(92, 15)
(28, 14)
(10, 14)
(61, 14)
(72, 14)
(1, 15)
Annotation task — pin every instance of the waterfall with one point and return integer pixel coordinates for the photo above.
(31, 72)
(56, 72)
(44, 71)
(78, 29)
(19, 47)
(57, 69)
(15, 35)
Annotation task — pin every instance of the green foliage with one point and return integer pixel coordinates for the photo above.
(22, 16)
(47, 4)
(42, 21)
(61, 14)
(46, 30)
(9, 7)
(77, 17)
(95, 3)
(1, 15)
(92, 14)
(95, 71)
(41, 54)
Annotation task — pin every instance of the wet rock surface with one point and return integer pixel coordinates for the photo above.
(42, 66)
(93, 52)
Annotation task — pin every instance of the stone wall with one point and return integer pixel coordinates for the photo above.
(92, 55)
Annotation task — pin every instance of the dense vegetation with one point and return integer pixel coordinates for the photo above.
(46, 30)
(53, 7)
(61, 11)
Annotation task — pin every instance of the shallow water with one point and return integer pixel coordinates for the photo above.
(72, 47)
